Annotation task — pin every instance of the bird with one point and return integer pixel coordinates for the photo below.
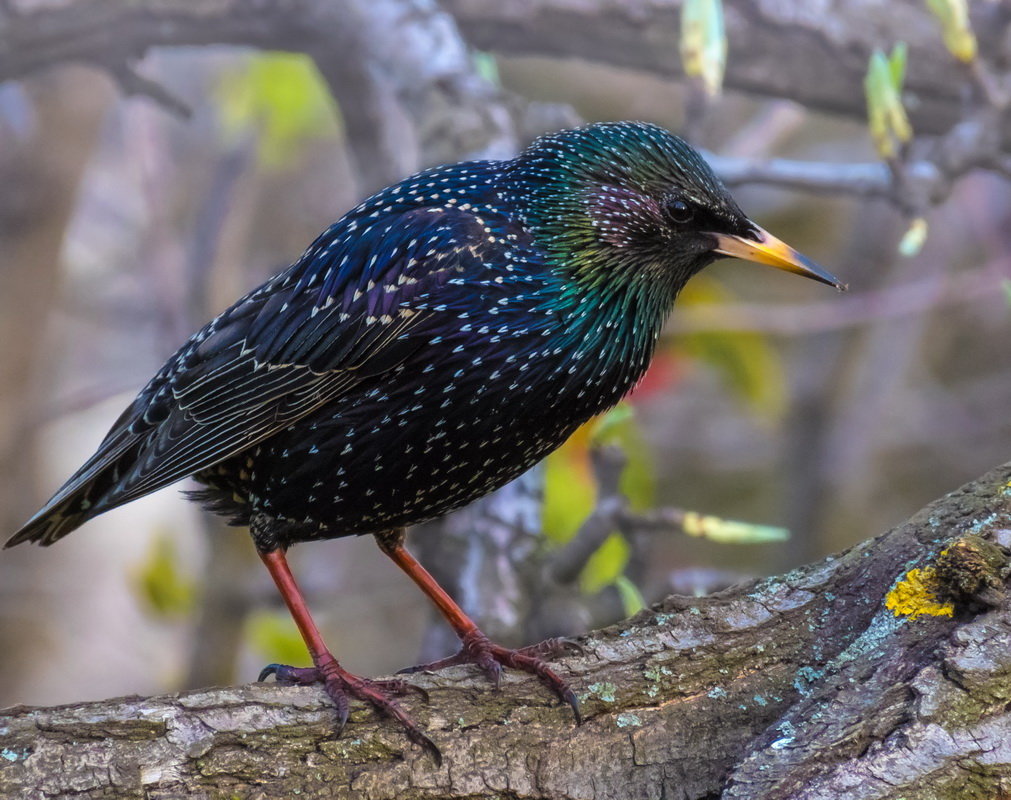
(430, 346)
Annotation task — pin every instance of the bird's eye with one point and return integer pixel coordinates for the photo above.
(679, 211)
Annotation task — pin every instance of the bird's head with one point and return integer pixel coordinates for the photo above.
(628, 203)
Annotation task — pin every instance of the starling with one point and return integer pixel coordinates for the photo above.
(427, 348)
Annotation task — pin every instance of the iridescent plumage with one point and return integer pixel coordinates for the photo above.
(432, 344)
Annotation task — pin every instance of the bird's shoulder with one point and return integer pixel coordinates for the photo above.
(362, 295)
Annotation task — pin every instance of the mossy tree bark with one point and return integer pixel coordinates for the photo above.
(883, 672)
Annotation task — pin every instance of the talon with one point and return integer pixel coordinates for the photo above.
(267, 671)
(340, 685)
(477, 649)
(569, 696)
(402, 688)
(427, 744)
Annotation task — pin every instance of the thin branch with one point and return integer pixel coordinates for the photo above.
(566, 564)
(133, 83)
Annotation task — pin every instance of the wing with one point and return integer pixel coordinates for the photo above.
(357, 304)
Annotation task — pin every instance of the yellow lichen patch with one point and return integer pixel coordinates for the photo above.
(916, 594)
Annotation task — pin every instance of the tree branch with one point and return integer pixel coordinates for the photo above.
(804, 686)
(782, 49)
(776, 48)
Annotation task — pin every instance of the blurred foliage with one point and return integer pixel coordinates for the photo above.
(486, 66)
(955, 28)
(704, 43)
(619, 428)
(751, 366)
(728, 531)
(914, 237)
(570, 489)
(886, 115)
(274, 637)
(631, 597)
(164, 589)
(606, 565)
(280, 99)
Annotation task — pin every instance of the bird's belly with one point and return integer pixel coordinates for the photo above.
(390, 461)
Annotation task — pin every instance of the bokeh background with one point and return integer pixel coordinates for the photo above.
(125, 224)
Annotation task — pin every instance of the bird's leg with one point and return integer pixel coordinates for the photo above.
(337, 681)
(476, 647)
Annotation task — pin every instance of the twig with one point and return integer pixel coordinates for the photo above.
(870, 179)
(133, 83)
(566, 564)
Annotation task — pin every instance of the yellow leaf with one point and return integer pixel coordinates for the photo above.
(955, 27)
(162, 587)
(728, 531)
(751, 366)
(914, 237)
(605, 565)
(569, 489)
(704, 43)
(282, 99)
(274, 637)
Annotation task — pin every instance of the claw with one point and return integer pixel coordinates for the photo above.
(477, 649)
(426, 744)
(401, 688)
(267, 671)
(569, 696)
(340, 685)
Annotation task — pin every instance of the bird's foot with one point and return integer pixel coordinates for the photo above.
(478, 649)
(341, 685)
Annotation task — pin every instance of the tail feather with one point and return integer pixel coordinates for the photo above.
(89, 492)
(53, 522)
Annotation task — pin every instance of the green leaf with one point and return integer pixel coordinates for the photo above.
(486, 66)
(631, 597)
(605, 565)
(703, 43)
(897, 65)
(280, 98)
(886, 115)
(163, 588)
(274, 637)
(569, 489)
(607, 428)
(914, 237)
(956, 30)
(727, 531)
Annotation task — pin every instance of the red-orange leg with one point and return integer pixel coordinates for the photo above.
(337, 681)
(476, 647)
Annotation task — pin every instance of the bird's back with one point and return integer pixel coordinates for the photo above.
(422, 352)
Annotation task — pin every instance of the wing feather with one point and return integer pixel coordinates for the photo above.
(357, 304)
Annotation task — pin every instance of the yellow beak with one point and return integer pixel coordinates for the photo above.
(774, 252)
